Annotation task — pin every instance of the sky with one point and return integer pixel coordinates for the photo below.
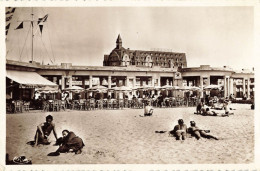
(215, 36)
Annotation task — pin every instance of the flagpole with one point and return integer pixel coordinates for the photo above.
(32, 33)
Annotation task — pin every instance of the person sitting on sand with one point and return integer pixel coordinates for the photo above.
(68, 143)
(44, 130)
(148, 110)
(198, 133)
(179, 130)
(198, 109)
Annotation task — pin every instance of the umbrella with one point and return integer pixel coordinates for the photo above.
(76, 89)
(185, 88)
(146, 87)
(122, 88)
(167, 87)
(213, 87)
(194, 88)
(98, 88)
(47, 89)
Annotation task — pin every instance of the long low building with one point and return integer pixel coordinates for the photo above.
(66, 75)
(131, 68)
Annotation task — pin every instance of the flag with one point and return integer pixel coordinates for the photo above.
(45, 18)
(20, 26)
(39, 20)
(32, 23)
(41, 27)
(13, 10)
(7, 27)
(6, 32)
(8, 18)
(8, 12)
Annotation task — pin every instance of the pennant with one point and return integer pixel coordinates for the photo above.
(6, 32)
(13, 10)
(39, 20)
(8, 18)
(41, 27)
(8, 12)
(7, 27)
(20, 26)
(45, 18)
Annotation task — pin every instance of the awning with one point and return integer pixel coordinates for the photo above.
(28, 79)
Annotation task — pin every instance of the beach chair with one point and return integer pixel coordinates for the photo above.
(26, 106)
(63, 104)
(92, 104)
(100, 104)
(81, 104)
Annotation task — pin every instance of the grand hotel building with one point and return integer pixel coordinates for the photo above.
(132, 68)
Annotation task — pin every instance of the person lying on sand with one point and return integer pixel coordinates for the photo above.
(68, 143)
(217, 106)
(198, 133)
(148, 110)
(44, 130)
(179, 130)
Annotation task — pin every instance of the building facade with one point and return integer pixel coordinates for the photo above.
(126, 57)
(124, 67)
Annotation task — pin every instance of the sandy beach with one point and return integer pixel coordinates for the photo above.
(123, 137)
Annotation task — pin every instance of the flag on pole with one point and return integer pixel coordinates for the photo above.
(41, 27)
(43, 19)
(20, 26)
(7, 27)
(13, 10)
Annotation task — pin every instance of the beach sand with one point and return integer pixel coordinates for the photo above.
(123, 137)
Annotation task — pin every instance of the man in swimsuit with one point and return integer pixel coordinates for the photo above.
(180, 130)
(198, 133)
(44, 130)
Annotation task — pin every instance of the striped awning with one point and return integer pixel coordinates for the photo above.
(28, 79)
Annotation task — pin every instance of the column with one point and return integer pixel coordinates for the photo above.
(62, 82)
(201, 86)
(225, 87)
(70, 81)
(244, 86)
(208, 81)
(127, 81)
(109, 81)
(159, 85)
(152, 92)
(228, 87)
(90, 81)
(134, 83)
(90, 84)
(231, 86)
(248, 88)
